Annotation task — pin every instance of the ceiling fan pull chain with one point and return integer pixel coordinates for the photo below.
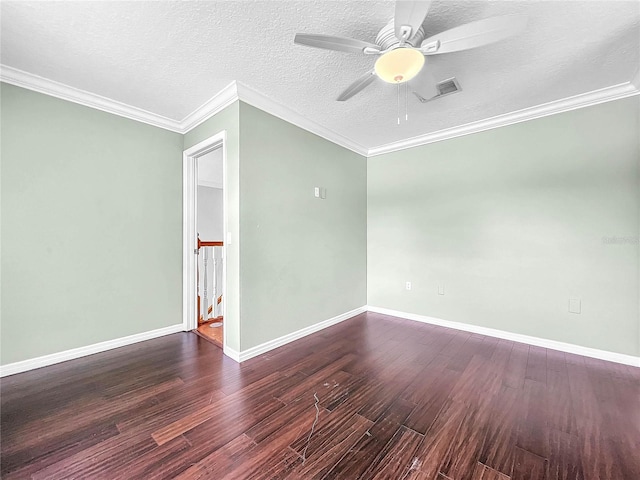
(398, 90)
(406, 101)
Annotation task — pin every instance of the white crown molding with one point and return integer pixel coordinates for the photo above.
(52, 88)
(214, 105)
(515, 337)
(595, 97)
(237, 91)
(231, 93)
(46, 360)
(259, 100)
(280, 341)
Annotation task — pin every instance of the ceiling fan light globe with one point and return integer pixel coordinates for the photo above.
(399, 65)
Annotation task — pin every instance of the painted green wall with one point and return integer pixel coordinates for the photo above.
(91, 226)
(228, 120)
(512, 222)
(302, 259)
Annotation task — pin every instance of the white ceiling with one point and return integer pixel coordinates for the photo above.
(170, 57)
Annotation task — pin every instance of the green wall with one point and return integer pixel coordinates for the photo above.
(303, 259)
(512, 222)
(91, 226)
(228, 120)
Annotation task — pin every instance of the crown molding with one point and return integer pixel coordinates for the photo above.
(52, 88)
(595, 97)
(232, 92)
(237, 91)
(253, 97)
(214, 105)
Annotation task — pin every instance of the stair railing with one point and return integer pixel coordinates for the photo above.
(211, 254)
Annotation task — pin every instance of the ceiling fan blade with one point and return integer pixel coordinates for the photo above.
(409, 14)
(474, 34)
(357, 86)
(330, 42)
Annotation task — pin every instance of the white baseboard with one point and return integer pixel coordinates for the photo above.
(45, 360)
(231, 353)
(515, 337)
(278, 342)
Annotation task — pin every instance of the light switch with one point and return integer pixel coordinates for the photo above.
(316, 192)
(440, 289)
(574, 305)
(323, 193)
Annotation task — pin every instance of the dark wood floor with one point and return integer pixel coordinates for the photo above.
(396, 400)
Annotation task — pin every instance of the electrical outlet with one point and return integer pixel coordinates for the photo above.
(440, 289)
(408, 285)
(316, 192)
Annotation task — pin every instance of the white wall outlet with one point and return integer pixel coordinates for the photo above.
(407, 285)
(323, 193)
(316, 192)
(440, 289)
(574, 305)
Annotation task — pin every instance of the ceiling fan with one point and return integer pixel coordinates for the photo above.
(401, 46)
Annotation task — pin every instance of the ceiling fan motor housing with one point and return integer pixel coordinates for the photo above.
(387, 37)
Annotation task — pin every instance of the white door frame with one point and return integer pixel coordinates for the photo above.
(189, 229)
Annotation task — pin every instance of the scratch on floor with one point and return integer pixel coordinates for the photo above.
(304, 452)
(415, 465)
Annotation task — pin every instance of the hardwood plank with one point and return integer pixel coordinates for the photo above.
(532, 427)
(516, 366)
(398, 457)
(327, 445)
(482, 472)
(466, 444)
(565, 461)
(100, 460)
(528, 466)
(498, 445)
(28, 461)
(430, 406)
(536, 365)
(437, 442)
(221, 461)
(315, 381)
(371, 444)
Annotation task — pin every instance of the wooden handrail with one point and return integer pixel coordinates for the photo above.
(209, 244)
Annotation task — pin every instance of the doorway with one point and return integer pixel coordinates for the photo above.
(204, 227)
(210, 232)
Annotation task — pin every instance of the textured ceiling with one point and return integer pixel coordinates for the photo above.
(170, 57)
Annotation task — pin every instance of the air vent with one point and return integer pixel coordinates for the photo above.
(447, 86)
